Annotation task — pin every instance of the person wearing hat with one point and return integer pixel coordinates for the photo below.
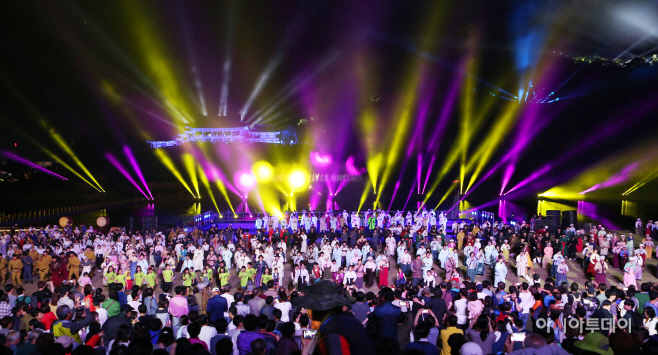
(629, 272)
(216, 306)
(63, 326)
(648, 246)
(324, 302)
(596, 343)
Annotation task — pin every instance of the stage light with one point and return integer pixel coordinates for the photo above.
(321, 160)
(190, 166)
(263, 171)
(247, 180)
(297, 179)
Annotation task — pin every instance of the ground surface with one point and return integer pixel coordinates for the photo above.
(575, 274)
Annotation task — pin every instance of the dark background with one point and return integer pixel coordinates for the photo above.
(57, 56)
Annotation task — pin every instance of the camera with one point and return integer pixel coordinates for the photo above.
(309, 333)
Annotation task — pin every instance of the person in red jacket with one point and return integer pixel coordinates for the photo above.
(48, 316)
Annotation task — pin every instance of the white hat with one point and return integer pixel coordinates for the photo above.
(215, 289)
(471, 348)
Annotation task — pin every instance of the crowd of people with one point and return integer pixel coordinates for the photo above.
(302, 284)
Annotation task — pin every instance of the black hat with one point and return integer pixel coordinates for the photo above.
(323, 296)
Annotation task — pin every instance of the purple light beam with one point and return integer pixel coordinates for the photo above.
(123, 171)
(31, 164)
(138, 171)
(429, 170)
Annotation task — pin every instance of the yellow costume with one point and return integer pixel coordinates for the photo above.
(3, 270)
(42, 267)
(74, 267)
(16, 267)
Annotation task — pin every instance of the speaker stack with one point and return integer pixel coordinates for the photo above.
(569, 218)
(149, 223)
(553, 220)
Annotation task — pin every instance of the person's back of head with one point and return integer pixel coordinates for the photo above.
(179, 290)
(534, 341)
(223, 347)
(269, 300)
(452, 320)
(126, 309)
(140, 346)
(250, 323)
(304, 320)
(456, 341)
(156, 324)
(287, 329)
(422, 331)
(141, 308)
(202, 319)
(62, 312)
(277, 314)
(221, 325)
(83, 350)
(258, 347)
(360, 296)
(193, 329)
(387, 294)
(653, 295)
(183, 345)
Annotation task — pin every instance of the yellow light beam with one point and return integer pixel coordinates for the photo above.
(222, 189)
(490, 144)
(169, 164)
(60, 141)
(206, 184)
(465, 119)
(364, 195)
(450, 189)
(190, 166)
(43, 121)
(409, 96)
(48, 152)
(158, 67)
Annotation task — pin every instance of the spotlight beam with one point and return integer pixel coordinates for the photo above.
(31, 164)
(47, 151)
(169, 164)
(138, 171)
(124, 172)
(57, 138)
(190, 166)
(206, 184)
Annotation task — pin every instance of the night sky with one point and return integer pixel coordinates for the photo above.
(105, 75)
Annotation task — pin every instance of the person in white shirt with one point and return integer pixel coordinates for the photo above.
(284, 306)
(229, 297)
(350, 277)
(526, 301)
(461, 307)
(207, 332)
